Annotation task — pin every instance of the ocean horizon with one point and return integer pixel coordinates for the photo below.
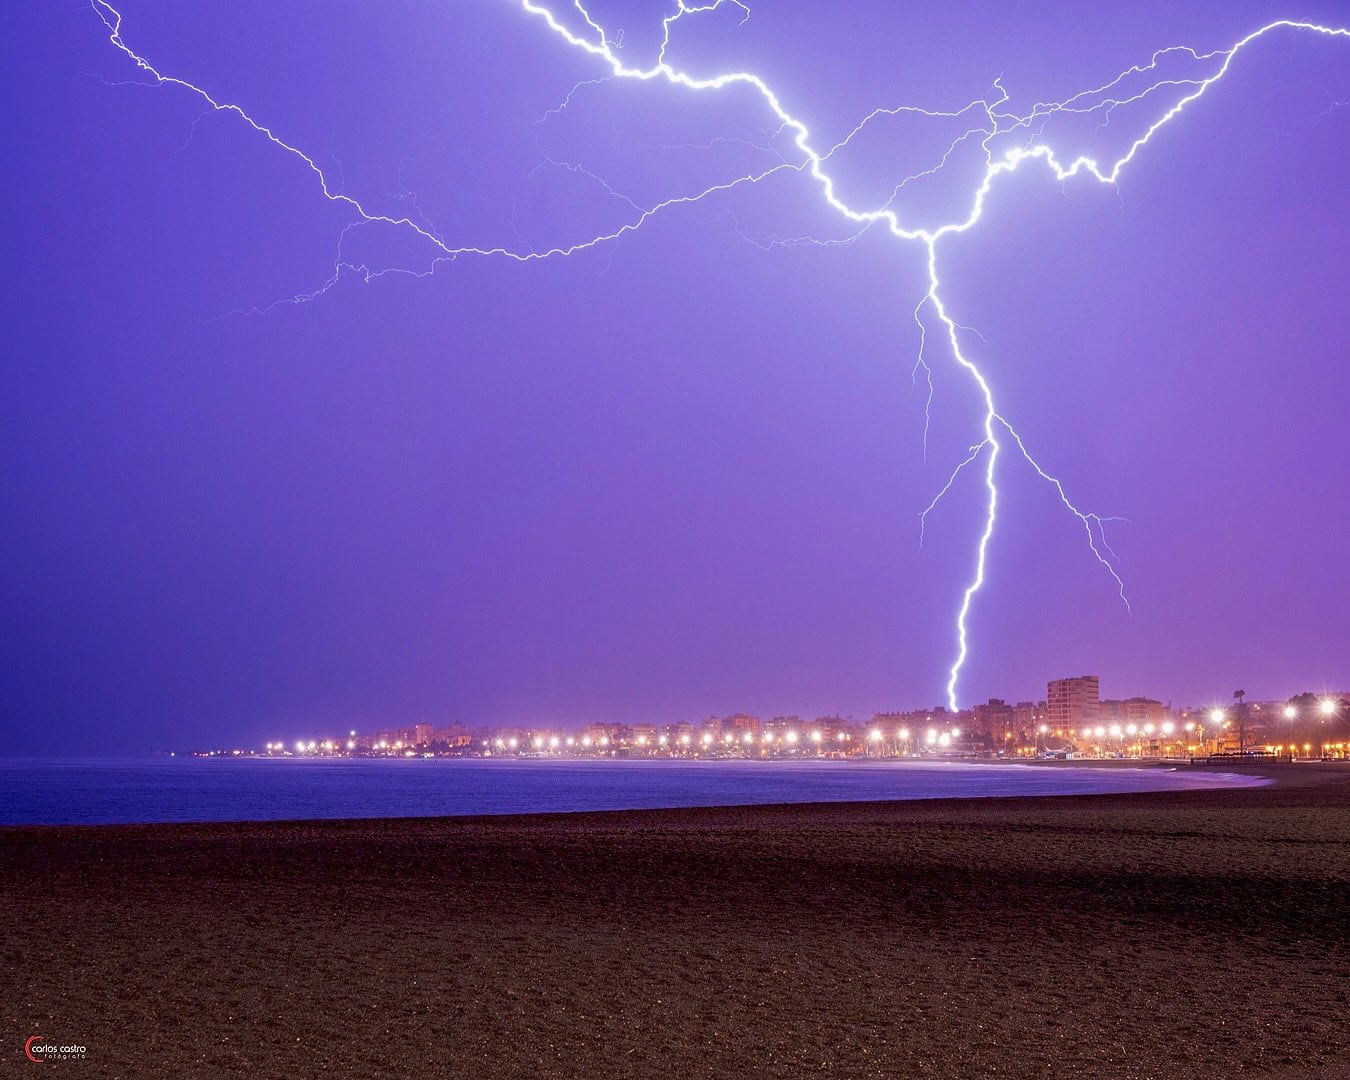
(90, 791)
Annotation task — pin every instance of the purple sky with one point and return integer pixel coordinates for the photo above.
(681, 473)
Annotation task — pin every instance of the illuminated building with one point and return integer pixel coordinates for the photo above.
(1072, 703)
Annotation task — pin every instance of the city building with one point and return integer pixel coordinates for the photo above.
(1072, 703)
(993, 723)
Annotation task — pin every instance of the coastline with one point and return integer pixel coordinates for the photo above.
(79, 792)
(1174, 933)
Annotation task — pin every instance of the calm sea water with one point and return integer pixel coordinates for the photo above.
(188, 789)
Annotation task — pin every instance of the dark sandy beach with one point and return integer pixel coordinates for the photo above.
(1194, 934)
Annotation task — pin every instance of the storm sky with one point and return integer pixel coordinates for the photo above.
(679, 473)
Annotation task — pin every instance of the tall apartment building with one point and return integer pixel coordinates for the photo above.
(1071, 703)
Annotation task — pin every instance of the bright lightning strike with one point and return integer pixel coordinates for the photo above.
(995, 122)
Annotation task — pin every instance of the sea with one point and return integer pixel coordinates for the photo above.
(184, 789)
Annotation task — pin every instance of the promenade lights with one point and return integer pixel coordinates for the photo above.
(585, 740)
(707, 739)
(300, 748)
(874, 735)
(512, 742)
(1290, 712)
(1045, 729)
(931, 737)
(1327, 707)
(1115, 731)
(571, 741)
(538, 742)
(1167, 728)
(661, 740)
(553, 743)
(944, 739)
(642, 740)
(956, 733)
(904, 734)
(841, 737)
(1216, 716)
(1100, 732)
(749, 739)
(1132, 729)
(604, 740)
(791, 737)
(1087, 733)
(816, 736)
(351, 744)
(684, 740)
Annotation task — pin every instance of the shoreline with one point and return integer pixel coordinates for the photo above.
(580, 796)
(1315, 775)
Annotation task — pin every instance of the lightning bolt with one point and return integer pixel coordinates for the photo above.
(995, 122)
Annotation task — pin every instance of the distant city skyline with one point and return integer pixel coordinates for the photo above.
(1072, 716)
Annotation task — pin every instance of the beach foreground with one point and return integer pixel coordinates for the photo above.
(1173, 934)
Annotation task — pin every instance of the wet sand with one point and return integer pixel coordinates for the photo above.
(1171, 934)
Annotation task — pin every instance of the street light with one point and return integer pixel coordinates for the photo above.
(1327, 707)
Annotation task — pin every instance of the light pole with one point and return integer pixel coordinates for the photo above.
(1217, 717)
(1327, 707)
(1291, 714)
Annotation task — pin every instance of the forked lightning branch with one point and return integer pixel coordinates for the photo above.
(1008, 141)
